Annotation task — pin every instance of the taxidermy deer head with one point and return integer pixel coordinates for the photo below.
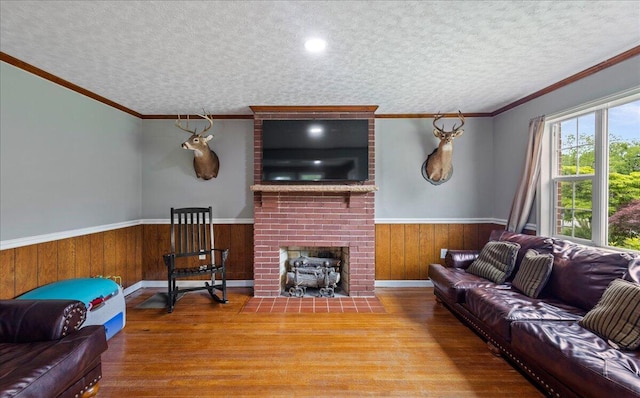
(437, 169)
(205, 161)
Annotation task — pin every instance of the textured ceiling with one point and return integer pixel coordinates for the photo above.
(168, 57)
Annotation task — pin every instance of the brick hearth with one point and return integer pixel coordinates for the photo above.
(311, 216)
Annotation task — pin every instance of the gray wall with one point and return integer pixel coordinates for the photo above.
(402, 145)
(510, 129)
(66, 161)
(168, 178)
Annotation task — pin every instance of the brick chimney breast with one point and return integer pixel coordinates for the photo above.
(315, 215)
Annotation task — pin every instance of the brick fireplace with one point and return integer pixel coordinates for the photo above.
(313, 215)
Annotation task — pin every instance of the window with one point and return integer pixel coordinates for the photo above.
(590, 186)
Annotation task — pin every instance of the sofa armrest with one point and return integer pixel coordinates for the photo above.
(460, 258)
(23, 321)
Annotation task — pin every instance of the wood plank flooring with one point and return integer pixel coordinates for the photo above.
(204, 349)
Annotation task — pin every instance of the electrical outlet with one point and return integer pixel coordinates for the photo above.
(443, 252)
(204, 257)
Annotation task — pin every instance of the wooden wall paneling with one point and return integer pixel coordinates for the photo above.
(129, 261)
(403, 251)
(248, 254)
(83, 256)
(109, 253)
(456, 237)
(134, 258)
(470, 236)
(66, 261)
(397, 254)
(164, 247)
(149, 251)
(7, 274)
(96, 249)
(412, 251)
(120, 253)
(47, 262)
(427, 249)
(485, 232)
(26, 268)
(237, 252)
(223, 240)
(441, 241)
(383, 249)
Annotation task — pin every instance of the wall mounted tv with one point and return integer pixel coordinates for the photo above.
(335, 150)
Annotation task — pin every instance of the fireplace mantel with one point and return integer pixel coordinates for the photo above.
(313, 188)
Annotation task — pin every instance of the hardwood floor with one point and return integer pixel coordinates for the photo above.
(204, 349)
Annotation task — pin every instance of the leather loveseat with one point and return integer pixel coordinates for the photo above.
(544, 336)
(45, 353)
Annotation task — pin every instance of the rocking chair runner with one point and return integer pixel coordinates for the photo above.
(193, 253)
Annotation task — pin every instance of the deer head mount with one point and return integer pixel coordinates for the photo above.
(437, 169)
(205, 161)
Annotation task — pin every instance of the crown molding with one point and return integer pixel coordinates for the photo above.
(312, 108)
(571, 79)
(429, 115)
(174, 117)
(4, 57)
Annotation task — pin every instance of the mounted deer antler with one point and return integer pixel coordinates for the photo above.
(437, 169)
(205, 161)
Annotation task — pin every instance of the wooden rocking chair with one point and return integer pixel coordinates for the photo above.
(193, 254)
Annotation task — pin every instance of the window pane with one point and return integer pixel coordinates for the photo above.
(586, 144)
(567, 154)
(576, 146)
(624, 176)
(568, 130)
(574, 208)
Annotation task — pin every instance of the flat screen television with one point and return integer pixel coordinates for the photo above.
(335, 150)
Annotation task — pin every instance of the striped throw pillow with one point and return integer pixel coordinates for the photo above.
(616, 317)
(496, 261)
(533, 273)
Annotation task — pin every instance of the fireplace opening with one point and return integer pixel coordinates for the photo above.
(314, 271)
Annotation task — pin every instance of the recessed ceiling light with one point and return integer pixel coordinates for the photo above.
(315, 45)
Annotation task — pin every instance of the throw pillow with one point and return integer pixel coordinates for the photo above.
(496, 261)
(533, 273)
(616, 317)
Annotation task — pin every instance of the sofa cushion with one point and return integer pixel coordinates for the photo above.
(498, 308)
(581, 273)
(617, 315)
(541, 244)
(496, 261)
(533, 273)
(582, 360)
(452, 283)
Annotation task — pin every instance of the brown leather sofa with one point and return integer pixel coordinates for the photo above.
(541, 336)
(45, 353)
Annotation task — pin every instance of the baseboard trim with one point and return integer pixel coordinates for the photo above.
(230, 283)
(249, 283)
(403, 283)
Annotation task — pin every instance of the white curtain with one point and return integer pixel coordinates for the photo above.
(523, 200)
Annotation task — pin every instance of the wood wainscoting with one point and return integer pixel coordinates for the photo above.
(403, 252)
(111, 253)
(238, 238)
